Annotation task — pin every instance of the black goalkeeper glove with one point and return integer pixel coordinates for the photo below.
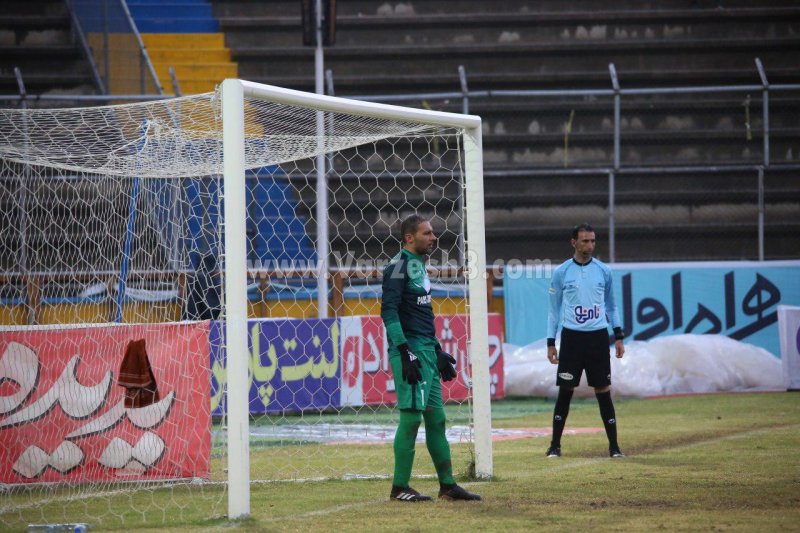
(446, 364)
(411, 365)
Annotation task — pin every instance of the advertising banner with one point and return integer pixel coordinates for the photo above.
(294, 365)
(104, 403)
(789, 326)
(736, 299)
(318, 364)
(366, 377)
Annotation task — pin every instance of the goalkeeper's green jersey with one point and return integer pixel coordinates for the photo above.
(406, 307)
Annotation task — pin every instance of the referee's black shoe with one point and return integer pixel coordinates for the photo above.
(553, 451)
(407, 494)
(454, 492)
(616, 453)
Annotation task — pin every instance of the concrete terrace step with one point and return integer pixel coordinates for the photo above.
(169, 9)
(641, 136)
(21, 23)
(39, 51)
(448, 80)
(189, 55)
(483, 18)
(539, 48)
(524, 27)
(707, 197)
(171, 17)
(543, 60)
(199, 85)
(389, 9)
(37, 8)
(634, 242)
(184, 40)
(38, 83)
(197, 71)
(171, 25)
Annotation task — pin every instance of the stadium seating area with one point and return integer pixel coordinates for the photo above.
(416, 47)
(184, 35)
(37, 37)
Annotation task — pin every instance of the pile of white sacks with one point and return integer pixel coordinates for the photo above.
(676, 364)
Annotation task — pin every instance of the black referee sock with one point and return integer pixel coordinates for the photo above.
(609, 418)
(560, 414)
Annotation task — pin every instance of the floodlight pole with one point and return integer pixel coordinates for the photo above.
(322, 182)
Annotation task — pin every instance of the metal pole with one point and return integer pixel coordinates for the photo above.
(176, 87)
(142, 50)
(329, 125)
(106, 58)
(329, 82)
(462, 76)
(612, 240)
(322, 182)
(23, 196)
(127, 245)
(761, 214)
(87, 51)
(765, 108)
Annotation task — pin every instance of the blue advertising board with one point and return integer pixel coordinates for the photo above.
(294, 365)
(737, 299)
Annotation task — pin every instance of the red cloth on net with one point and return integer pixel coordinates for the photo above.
(136, 375)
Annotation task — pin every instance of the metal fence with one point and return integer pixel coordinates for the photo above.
(734, 175)
(117, 47)
(741, 180)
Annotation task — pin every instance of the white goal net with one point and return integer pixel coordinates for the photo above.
(171, 333)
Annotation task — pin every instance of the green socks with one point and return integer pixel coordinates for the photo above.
(438, 447)
(435, 440)
(404, 441)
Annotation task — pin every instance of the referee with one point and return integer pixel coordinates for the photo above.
(582, 302)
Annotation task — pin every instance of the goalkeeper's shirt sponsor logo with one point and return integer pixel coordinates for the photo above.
(424, 300)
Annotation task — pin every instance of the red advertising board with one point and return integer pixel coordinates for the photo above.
(64, 415)
(367, 379)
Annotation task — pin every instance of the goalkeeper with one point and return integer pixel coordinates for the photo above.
(418, 362)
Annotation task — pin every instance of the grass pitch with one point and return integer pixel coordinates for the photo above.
(727, 462)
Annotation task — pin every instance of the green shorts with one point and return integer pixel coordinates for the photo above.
(426, 393)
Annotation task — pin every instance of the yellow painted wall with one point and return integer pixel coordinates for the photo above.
(171, 312)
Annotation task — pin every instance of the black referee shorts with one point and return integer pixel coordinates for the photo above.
(584, 350)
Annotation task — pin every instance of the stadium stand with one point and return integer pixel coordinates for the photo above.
(37, 37)
(184, 35)
(416, 47)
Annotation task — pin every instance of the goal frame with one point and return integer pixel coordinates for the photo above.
(233, 93)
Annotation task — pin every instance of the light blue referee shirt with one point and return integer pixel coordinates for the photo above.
(582, 298)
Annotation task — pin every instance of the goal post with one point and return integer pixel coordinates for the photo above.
(190, 296)
(233, 125)
(236, 299)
